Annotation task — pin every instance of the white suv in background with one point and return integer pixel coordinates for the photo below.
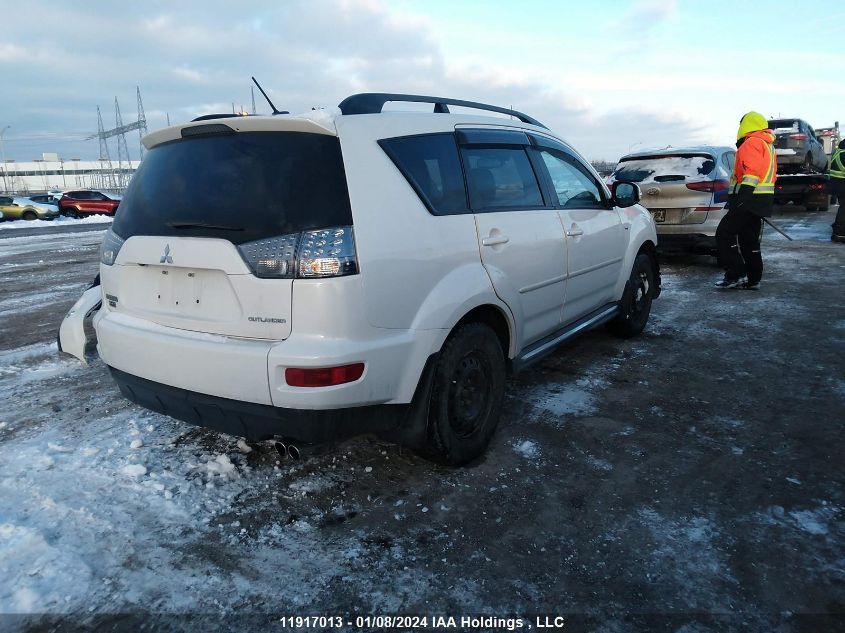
(317, 276)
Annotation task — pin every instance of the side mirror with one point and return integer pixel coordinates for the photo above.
(625, 194)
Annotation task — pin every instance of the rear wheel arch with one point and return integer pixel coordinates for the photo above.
(493, 317)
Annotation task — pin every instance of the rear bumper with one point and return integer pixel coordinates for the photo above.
(699, 243)
(257, 421)
(252, 371)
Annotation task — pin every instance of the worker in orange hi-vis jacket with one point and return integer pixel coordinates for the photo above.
(752, 192)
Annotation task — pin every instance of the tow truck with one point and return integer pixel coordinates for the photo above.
(809, 190)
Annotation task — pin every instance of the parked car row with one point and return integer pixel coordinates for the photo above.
(47, 206)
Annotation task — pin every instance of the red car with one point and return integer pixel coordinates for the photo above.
(81, 203)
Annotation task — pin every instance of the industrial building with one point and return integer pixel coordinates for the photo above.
(51, 173)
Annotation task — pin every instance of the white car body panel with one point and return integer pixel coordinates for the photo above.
(524, 253)
(72, 339)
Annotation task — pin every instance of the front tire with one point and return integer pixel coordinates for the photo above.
(636, 299)
(466, 397)
(29, 216)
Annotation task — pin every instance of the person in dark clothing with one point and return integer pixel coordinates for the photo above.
(751, 189)
(837, 185)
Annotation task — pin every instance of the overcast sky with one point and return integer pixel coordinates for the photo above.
(608, 76)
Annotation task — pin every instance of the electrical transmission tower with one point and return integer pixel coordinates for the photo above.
(120, 179)
(107, 178)
(122, 148)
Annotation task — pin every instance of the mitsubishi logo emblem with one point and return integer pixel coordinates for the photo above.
(166, 258)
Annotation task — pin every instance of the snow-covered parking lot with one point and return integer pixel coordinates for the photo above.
(690, 479)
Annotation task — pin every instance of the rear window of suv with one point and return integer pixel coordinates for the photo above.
(784, 125)
(239, 187)
(665, 168)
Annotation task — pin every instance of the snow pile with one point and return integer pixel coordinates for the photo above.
(527, 449)
(59, 221)
(134, 470)
(220, 465)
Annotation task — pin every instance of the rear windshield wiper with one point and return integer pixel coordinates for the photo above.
(202, 225)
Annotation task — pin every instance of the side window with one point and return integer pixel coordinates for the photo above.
(501, 178)
(728, 159)
(431, 165)
(573, 188)
(4, 200)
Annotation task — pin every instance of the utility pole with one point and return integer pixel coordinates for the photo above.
(3, 155)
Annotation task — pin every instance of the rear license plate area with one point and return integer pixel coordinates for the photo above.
(179, 290)
(659, 215)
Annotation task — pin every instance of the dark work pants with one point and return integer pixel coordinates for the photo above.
(838, 187)
(738, 244)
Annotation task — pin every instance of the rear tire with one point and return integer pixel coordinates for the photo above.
(466, 395)
(636, 299)
(29, 216)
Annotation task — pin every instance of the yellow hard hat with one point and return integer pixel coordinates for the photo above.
(751, 122)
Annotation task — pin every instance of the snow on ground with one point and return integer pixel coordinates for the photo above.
(59, 221)
(107, 507)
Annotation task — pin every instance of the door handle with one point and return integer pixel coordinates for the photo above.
(575, 232)
(493, 241)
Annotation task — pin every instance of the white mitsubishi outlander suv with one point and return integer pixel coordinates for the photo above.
(318, 276)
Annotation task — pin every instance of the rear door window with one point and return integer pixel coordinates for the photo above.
(501, 178)
(237, 186)
(431, 165)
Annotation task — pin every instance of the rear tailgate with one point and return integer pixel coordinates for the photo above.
(206, 234)
(196, 284)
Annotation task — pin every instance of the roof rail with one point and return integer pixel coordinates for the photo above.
(373, 102)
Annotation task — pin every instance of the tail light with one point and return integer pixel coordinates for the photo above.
(719, 189)
(818, 186)
(323, 376)
(798, 137)
(110, 247)
(309, 255)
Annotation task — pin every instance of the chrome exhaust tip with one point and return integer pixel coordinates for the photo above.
(293, 452)
(281, 449)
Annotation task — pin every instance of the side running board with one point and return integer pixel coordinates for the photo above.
(545, 346)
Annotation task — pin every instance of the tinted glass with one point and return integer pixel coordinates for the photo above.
(573, 188)
(499, 178)
(784, 124)
(239, 187)
(665, 168)
(431, 165)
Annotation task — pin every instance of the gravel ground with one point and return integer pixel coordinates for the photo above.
(687, 480)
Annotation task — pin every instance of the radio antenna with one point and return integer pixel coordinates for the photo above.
(275, 111)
